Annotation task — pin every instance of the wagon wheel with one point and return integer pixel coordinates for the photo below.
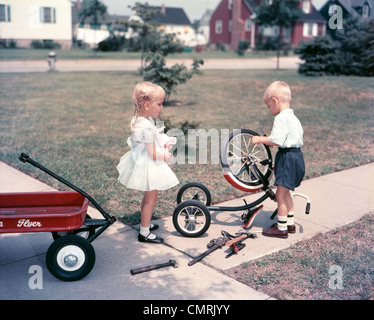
(194, 191)
(240, 159)
(84, 234)
(70, 258)
(191, 218)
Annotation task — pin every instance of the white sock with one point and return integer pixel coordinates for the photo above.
(144, 231)
(282, 223)
(290, 219)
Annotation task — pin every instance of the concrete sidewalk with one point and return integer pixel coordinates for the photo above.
(15, 66)
(336, 199)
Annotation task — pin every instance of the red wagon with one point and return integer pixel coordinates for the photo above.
(64, 213)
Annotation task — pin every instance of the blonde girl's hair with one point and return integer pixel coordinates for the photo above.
(280, 90)
(144, 92)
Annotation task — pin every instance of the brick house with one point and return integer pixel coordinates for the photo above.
(233, 21)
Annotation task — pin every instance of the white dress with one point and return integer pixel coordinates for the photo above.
(136, 169)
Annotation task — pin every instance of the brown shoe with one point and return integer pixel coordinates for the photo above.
(274, 232)
(291, 229)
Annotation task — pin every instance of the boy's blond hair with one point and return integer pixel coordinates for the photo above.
(279, 90)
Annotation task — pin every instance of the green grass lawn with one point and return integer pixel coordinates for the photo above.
(302, 272)
(42, 54)
(76, 124)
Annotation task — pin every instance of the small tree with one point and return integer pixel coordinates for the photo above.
(156, 70)
(94, 9)
(146, 26)
(281, 13)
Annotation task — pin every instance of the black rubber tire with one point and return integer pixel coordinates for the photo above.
(196, 185)
(191, 218)
(70, 244)
(266, 169)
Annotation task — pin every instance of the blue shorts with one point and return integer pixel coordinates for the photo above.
(289, 168)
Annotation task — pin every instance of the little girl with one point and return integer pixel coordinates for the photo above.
(145, 167)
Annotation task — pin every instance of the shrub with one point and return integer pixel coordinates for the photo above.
(45, 44)
(320, 56)
(351, 54)
(112, 43)
(242, 47)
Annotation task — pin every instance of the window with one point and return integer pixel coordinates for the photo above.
(230, 4)
(310, 29)
(218, 26)
(47, 15)
(248, 23)
(286, 35)
(230, 25)
(365, 11)
(306, 6)
(271, 31)
(4, 13)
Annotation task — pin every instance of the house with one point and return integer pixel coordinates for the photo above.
(362, 10)
(23, 21)
(204, 27)
(173, 20)
(234, 21)
(91, 32)
(311, 24)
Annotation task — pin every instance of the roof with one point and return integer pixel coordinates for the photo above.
(251, 4)
(175, 16)
(315, 15)
(352, 7)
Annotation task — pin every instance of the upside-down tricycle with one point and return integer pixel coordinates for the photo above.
(246, 167)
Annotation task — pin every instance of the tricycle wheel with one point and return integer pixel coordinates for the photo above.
(70, 258)
(84, 234)
(191, 218)
(194, 191)
(238, 158)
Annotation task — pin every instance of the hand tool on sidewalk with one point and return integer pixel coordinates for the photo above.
(236, 242)
(154, 267)
(213, 245)
(226, 240)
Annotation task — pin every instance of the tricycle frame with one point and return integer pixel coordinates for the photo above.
(191, 217)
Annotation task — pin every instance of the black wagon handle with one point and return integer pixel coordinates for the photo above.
(26, 158)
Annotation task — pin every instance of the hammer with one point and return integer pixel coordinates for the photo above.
(154, 267)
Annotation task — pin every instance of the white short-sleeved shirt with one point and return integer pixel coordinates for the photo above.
(287, 131)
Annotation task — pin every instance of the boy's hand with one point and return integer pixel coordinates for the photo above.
(255, 140)
(264, 140)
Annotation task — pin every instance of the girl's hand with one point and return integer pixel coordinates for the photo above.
(167, 155)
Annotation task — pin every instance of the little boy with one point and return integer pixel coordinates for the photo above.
(289, 170)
